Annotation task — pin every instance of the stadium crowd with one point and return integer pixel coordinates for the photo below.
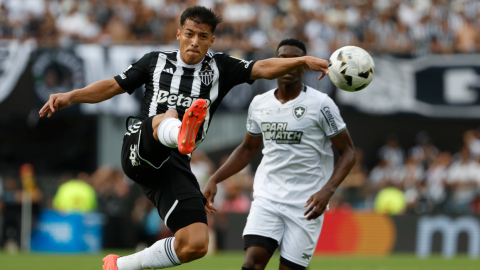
(402, 27)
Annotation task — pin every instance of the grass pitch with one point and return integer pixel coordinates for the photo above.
(233, 261)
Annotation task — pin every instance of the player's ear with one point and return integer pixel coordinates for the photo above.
(178, 34)
(211, 41)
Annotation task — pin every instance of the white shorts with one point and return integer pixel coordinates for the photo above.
(297, 237)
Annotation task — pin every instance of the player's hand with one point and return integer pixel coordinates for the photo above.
(317, 64)
(318, 203)
(55, 102)
(209, 192)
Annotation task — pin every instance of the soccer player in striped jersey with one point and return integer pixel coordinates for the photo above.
(295, 180)
(186, 84)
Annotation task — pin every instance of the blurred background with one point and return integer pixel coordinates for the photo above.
(415, 187)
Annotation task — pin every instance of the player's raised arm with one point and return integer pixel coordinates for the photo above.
(93, 93)
(319, 201)
(238, 160)
(276, 67)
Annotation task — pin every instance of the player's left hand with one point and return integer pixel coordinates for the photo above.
(317, 64)
(318, 203)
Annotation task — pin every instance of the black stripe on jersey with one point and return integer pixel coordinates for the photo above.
(147, 98)
(205, 94)
(185, 87)
(165, 83)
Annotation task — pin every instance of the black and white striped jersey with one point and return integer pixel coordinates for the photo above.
(172, 84)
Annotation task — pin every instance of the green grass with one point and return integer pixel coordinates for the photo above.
(233, 261)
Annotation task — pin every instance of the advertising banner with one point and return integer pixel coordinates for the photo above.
(352, 233)
(62, 233)
(434, 86)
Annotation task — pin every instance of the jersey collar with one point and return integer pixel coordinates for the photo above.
(183, 64)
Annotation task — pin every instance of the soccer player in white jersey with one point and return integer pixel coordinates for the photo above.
(295, 180)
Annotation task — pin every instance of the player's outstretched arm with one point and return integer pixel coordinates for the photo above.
(319, 201)
(276, 67)
(93, 93)
(238, 160)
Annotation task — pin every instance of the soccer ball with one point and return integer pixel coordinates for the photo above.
(351, 68)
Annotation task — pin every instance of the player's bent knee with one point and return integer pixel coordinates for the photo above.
(254, 261)
(193, 251)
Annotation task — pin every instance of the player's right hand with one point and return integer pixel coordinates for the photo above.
(317, 64)
(209, 192)
(55, 102)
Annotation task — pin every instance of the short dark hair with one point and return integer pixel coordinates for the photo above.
(201, 15)
(293, 42)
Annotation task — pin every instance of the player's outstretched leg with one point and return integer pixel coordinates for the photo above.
(173, 133)
(192, 120)
(166, 127)
(190, 243)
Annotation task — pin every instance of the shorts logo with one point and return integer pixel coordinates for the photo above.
(306, 256)
(331, 121)
(177, 100)
(299, 111)
(279, 133)
(132, 129)
(134, 155)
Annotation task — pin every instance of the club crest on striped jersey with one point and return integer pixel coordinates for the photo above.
(299, 111)
(206, 75)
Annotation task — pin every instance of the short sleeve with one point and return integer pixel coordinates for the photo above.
(252, 127)
(331, 121)
(136, 75)
(234, 71)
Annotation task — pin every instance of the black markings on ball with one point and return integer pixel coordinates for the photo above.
(348, 78)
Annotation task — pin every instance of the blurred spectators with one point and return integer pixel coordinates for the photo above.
(235, 193)
(148, 222)
(391, 152)
(75, 196)
(11, 198)
(202, 167)
(402, 27)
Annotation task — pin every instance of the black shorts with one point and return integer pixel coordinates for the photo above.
(164, 175)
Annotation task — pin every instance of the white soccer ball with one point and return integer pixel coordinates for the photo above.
(351, 68)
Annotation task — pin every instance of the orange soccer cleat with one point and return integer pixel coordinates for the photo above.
(192, 120)
(110, 262)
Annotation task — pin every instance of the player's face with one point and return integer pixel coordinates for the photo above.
(288, 51)
(195, 39)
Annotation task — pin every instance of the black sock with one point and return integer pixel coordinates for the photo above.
(244, 268)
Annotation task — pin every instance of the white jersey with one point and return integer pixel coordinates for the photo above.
(297, 154)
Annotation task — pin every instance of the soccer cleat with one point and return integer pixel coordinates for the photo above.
(192, 120)
(110, 262)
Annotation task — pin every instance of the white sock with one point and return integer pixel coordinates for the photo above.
(160, 255)
(168, 130)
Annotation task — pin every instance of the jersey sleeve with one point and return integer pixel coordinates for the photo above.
(331, 121)
(252, 127)
(235, 71)
(136, 75)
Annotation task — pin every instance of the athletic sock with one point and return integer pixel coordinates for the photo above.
(167, 132)
(160, 255)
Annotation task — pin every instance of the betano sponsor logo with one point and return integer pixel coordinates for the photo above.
(177, 100)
